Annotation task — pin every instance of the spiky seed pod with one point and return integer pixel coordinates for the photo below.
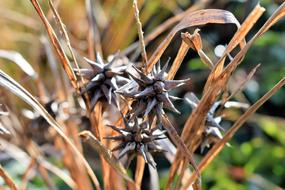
(103, 79)
(137, 137)
(38, 128)
(151, 91)
(212, 132)
(211, 135)
(212, 129)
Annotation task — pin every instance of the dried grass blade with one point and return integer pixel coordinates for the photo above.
(19, 18)
(53, 38)
(179, 143)
(46, 178)
(140, 33)
(196, 18)
(243, 83)
(7, 82)
(8, 180)
(238, 38)
(229, 134)
(274, 18)
(107, 154)
(211, 92)
(139, 170)
(277, 15)
(99, 131)
(65, 35)
(60, 88)
(27, 68)
(244, 29)
(57, 171)
(216, 81)
(20, 61)
(184, 47)
(26, 174)
(94, 42)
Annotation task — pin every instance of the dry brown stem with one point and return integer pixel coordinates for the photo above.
(8, 180)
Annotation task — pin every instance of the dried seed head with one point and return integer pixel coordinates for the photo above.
(103, 79)
(212, 132)
(137, 137)
(38, 128)
(151, 91)
(193, 40)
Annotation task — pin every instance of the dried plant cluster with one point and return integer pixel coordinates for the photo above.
(118, 105)
(149, 94)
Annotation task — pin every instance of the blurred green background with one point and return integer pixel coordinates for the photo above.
(256, 158)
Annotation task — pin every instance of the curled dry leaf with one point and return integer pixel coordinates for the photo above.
(238, 38)
(196, 18)
(195, 42)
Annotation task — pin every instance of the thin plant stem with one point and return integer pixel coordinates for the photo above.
(141, 37)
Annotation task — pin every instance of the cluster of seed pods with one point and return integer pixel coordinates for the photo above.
(149, 94)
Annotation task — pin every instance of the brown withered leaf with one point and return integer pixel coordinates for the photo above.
(180, 144)
(211, 94)
(222, 79)
(195, 42)
(196, 18)
(213, 88)
(237, 38)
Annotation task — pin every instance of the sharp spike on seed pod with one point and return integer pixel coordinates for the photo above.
(99, 58)
(171, 84)
(161, 73)
(167, 102)
(110, 65)
(97, 66)
(150, 106)
(146, 92)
